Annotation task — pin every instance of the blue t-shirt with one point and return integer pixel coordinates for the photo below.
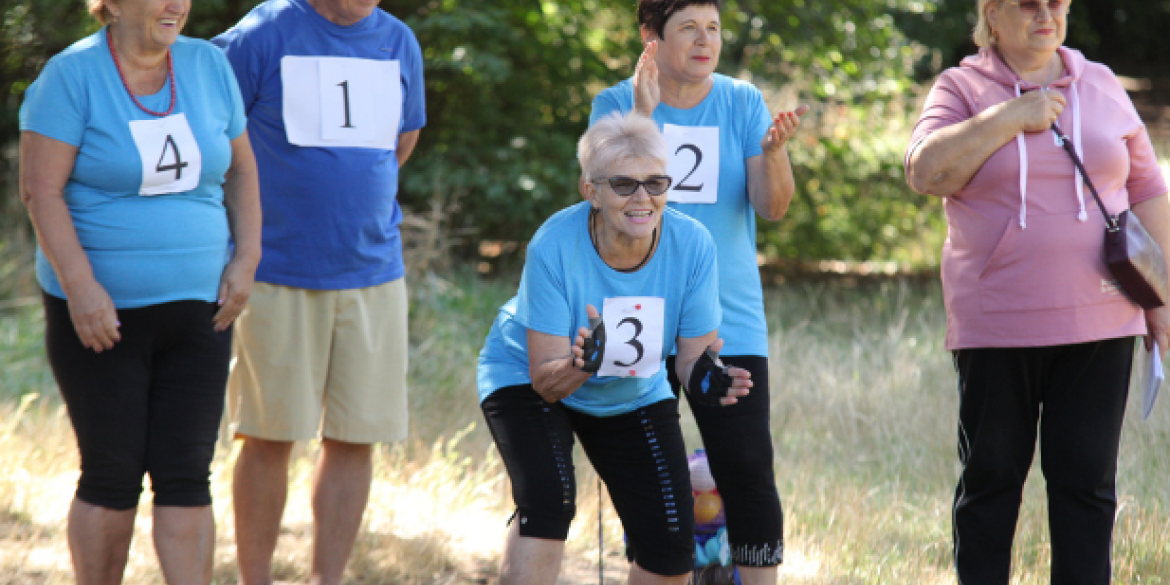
(144, 250)
(331, 213)
(737, 109)
(563, 273)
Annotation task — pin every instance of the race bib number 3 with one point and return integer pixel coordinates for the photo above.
(633, 334)
(171, 161)
(694, 163)
(341, 101)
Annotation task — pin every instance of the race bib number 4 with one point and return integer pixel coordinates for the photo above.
(171, 161)
(341, 101)
(694, 163)
(633, 336)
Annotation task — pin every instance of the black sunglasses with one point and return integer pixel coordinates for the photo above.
(626, 186)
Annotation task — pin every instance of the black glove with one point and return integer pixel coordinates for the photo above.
(709, 381)
(594, 346)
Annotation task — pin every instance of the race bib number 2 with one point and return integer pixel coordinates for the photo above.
(694, 163)
(633, 334)
(341, 101)
(171, 160)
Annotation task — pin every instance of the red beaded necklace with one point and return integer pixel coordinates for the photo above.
(170, 73)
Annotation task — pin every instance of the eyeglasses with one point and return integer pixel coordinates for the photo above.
(626, 186)
(1030, 8)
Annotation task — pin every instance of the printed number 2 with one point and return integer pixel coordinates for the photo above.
(178, 164)
(345, 96)
(682, 186)
(633, 342)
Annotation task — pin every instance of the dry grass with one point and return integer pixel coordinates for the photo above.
(864, 407)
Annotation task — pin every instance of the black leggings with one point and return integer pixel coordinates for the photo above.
(152, 404)
(1072, 398)
(738, 441)
(640, 456)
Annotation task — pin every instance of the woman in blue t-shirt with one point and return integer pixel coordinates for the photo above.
(141, 185)
(611, 287)
(729, 163)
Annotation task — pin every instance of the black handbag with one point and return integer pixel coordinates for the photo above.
(1133, 257)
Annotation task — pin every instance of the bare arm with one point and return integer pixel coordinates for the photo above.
(946, 160)
(241, 196)
(1155, 217)
(45, 166)
(406, 143)
(689, 350)
(769, 175)
(553, 365)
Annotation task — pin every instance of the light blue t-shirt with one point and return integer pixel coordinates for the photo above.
(563, 273)
(331, 214)
(144, 250)
(737, 109)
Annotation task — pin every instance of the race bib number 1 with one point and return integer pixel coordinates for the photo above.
(171, 160)
(341, 101)
(694, 163)
(633, 333)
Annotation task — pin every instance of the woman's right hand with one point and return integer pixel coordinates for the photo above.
(94, 317)
(646, 90)
(1037, 111)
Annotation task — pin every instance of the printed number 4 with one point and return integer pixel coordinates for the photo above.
(178, 165)
(633, 342)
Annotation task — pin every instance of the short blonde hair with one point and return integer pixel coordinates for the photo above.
(98, 9)
(617, 138)
(982, 33)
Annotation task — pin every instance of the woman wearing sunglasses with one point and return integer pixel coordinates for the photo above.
(611, 286)
(729, 163)
(1042, 335)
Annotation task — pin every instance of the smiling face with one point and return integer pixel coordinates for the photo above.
(625, 219)
(689, 49)
(344, 12)
(149, 24)
(1028, 25)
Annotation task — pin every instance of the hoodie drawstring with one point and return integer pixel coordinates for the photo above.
(1082, 215)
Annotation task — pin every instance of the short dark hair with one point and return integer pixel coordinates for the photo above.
(653, 14)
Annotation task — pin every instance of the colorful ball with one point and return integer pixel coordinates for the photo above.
(708, 509)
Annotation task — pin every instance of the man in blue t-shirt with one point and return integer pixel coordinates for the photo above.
(333, 90)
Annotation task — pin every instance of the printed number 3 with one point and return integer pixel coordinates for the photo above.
(633, 342)
(178, 165)
(682, 186)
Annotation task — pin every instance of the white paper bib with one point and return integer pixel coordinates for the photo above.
(171, 160)
(341, 101)
(694, 163)
(633, 336)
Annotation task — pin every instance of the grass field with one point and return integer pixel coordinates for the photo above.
(864, 407)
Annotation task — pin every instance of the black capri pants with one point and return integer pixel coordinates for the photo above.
(151, 405)
(640, 456)
(738, 440)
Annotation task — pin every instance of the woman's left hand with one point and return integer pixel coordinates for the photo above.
(1158, 325)
(783, 128)
(235, 286)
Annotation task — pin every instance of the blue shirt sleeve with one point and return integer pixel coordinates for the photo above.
(701, 312)
(238, 122)
(757, 121)
(56, 105)
(414, 107)
(542, 302)
(605, 103)
(242, 64)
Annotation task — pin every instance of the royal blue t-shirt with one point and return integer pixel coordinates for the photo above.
(331, 213)
(144, 249)
(737, 110)
(563, 273)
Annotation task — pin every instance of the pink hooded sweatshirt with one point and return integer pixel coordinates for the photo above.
(1023, 263)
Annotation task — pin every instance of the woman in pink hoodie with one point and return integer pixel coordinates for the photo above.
(1042, 335)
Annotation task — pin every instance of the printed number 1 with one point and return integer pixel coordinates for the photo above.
(345, 95)
(177, 166)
